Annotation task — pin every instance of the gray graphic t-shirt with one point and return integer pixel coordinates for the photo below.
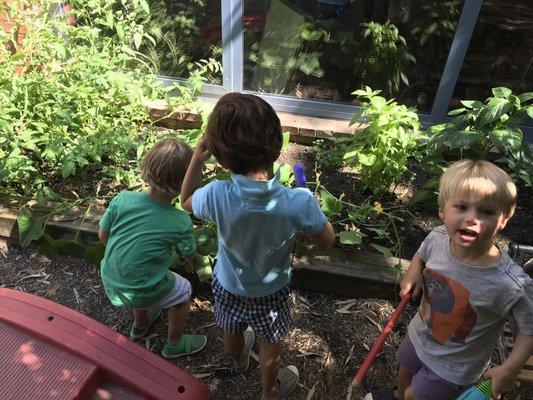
(463, 309)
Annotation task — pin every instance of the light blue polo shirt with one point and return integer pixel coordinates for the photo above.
(257, 224)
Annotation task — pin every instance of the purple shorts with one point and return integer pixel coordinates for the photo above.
(426, 384)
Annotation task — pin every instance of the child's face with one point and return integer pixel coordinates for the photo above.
(472, 223)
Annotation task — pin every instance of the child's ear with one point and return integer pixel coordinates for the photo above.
(441, 214)
(503, 223)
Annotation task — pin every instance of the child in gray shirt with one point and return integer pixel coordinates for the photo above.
(469, 289)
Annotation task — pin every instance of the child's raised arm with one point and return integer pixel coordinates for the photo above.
(193, 176)
(504, 376)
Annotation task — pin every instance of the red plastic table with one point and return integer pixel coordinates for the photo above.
(49, 351)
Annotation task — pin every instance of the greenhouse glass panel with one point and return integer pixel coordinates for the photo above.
(500, 52)
(326, 49)
(187, 37)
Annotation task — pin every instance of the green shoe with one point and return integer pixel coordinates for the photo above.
(189, 344)
(137, 333)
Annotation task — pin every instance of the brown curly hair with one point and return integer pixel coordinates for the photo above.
(165, 164)
(244, 133)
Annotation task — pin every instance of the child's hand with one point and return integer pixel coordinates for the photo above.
(502, 380)
(201, 153)
(412, 281)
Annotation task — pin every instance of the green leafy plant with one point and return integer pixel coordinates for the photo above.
(58, 115)
(363, 220)
(385, 58)
(166, 35)
(275, 71)
(380, 150)
(327, 155)
(32, 232)
(438, 23)
(78, 107)
(479, 127)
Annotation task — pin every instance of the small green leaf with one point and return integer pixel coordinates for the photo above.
(382, 249)
(424, 196)
(286, 139)
(140, 150)
(521, 117)
(529, 111)
(109, 19)
(506, 140)
(457, 112)
(206, 241)
(525, 97)
(64, 114)
(515, 101)
(68, 169)
(145, 6)
(30, 229)
(502, 92)
(350, 237)
(356, 116)
(472, 104)
(203, 267)
(137, 39)
(494, 109)
(330, 205)
(285, 172)
(378, 102)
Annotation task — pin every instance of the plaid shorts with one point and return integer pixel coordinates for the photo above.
(269, 316)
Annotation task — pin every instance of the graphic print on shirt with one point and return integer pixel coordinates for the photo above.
(446, 309)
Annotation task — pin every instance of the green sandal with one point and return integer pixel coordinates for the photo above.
(137, 333)
(189, 344)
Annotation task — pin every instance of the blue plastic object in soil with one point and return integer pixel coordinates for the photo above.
(299, 175)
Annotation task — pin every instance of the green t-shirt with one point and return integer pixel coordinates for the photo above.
(142, 234)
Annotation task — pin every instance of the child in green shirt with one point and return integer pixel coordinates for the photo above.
(140, 231)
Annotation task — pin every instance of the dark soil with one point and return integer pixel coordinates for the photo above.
(329, 339)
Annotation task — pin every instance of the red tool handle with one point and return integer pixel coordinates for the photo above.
(380, 340)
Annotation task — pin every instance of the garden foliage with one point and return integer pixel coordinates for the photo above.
(480, 127)
(380, 150)
(385, 58)
(76, 104)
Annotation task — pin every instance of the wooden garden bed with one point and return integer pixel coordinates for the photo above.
(337, 271)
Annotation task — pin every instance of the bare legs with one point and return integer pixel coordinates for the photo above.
(269, 361)
(235, 346)
(177, 316)
(404, 391)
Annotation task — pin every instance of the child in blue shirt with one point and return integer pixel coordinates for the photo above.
(257, 220)
(140, 231)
